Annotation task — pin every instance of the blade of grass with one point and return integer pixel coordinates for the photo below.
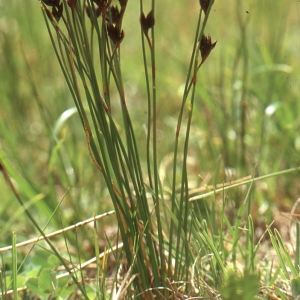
(279, 254)
(14, 265)
(250, 245)
(254, 179)
(7, 178)
(285, 255)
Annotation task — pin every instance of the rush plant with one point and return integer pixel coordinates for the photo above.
(87, 39)
(188, 221)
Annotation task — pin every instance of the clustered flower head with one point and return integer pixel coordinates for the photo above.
(113, 14)
(88, 11)
(51, 2)
(96, 8)
(115, 21)
(115, 33)
(206, 46)
(57, 8)
(204, 5)
(147, 22)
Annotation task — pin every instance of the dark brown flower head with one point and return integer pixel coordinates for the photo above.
(51, 2)
(147, 22)
(204, 5)
(99, 7)
(123, 3)
(206, 46)
(97, 11)
(57, 12)
(116, 16)
(115, 33)
(100, 3)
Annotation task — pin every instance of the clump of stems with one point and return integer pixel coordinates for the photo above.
(86, 36)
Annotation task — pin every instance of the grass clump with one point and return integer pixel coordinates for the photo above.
(188, 214)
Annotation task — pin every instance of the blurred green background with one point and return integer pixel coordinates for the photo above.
(246, 117)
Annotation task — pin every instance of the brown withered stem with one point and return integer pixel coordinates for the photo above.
(205, 47)
(72, 4)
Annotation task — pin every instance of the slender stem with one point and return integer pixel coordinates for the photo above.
(149, 106)
(243, 101)
(31, 218)
(254, 179)
(180, 117)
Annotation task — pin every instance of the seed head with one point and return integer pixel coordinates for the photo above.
(206, 46)
(147, 22)
(89, 10)
(123, 3)
(204, 5)
(57, 12)
(115, 33)
(116, 15)
(51, 2)
(100, 3)
(57, 9)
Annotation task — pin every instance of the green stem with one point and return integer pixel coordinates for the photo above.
(180, 117)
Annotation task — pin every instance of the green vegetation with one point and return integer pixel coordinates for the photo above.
(154, 162)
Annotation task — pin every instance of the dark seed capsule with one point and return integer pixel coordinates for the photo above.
(51, 2)
(123, 3)
(147, 22)
(206, 46)
(114, 33)
(97, 11)
(116, 16)
(204, 5)
(57, 12)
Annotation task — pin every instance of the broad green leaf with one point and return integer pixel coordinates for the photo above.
(33, 286)
(47, 281)
(242, 287)
(296, 287)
